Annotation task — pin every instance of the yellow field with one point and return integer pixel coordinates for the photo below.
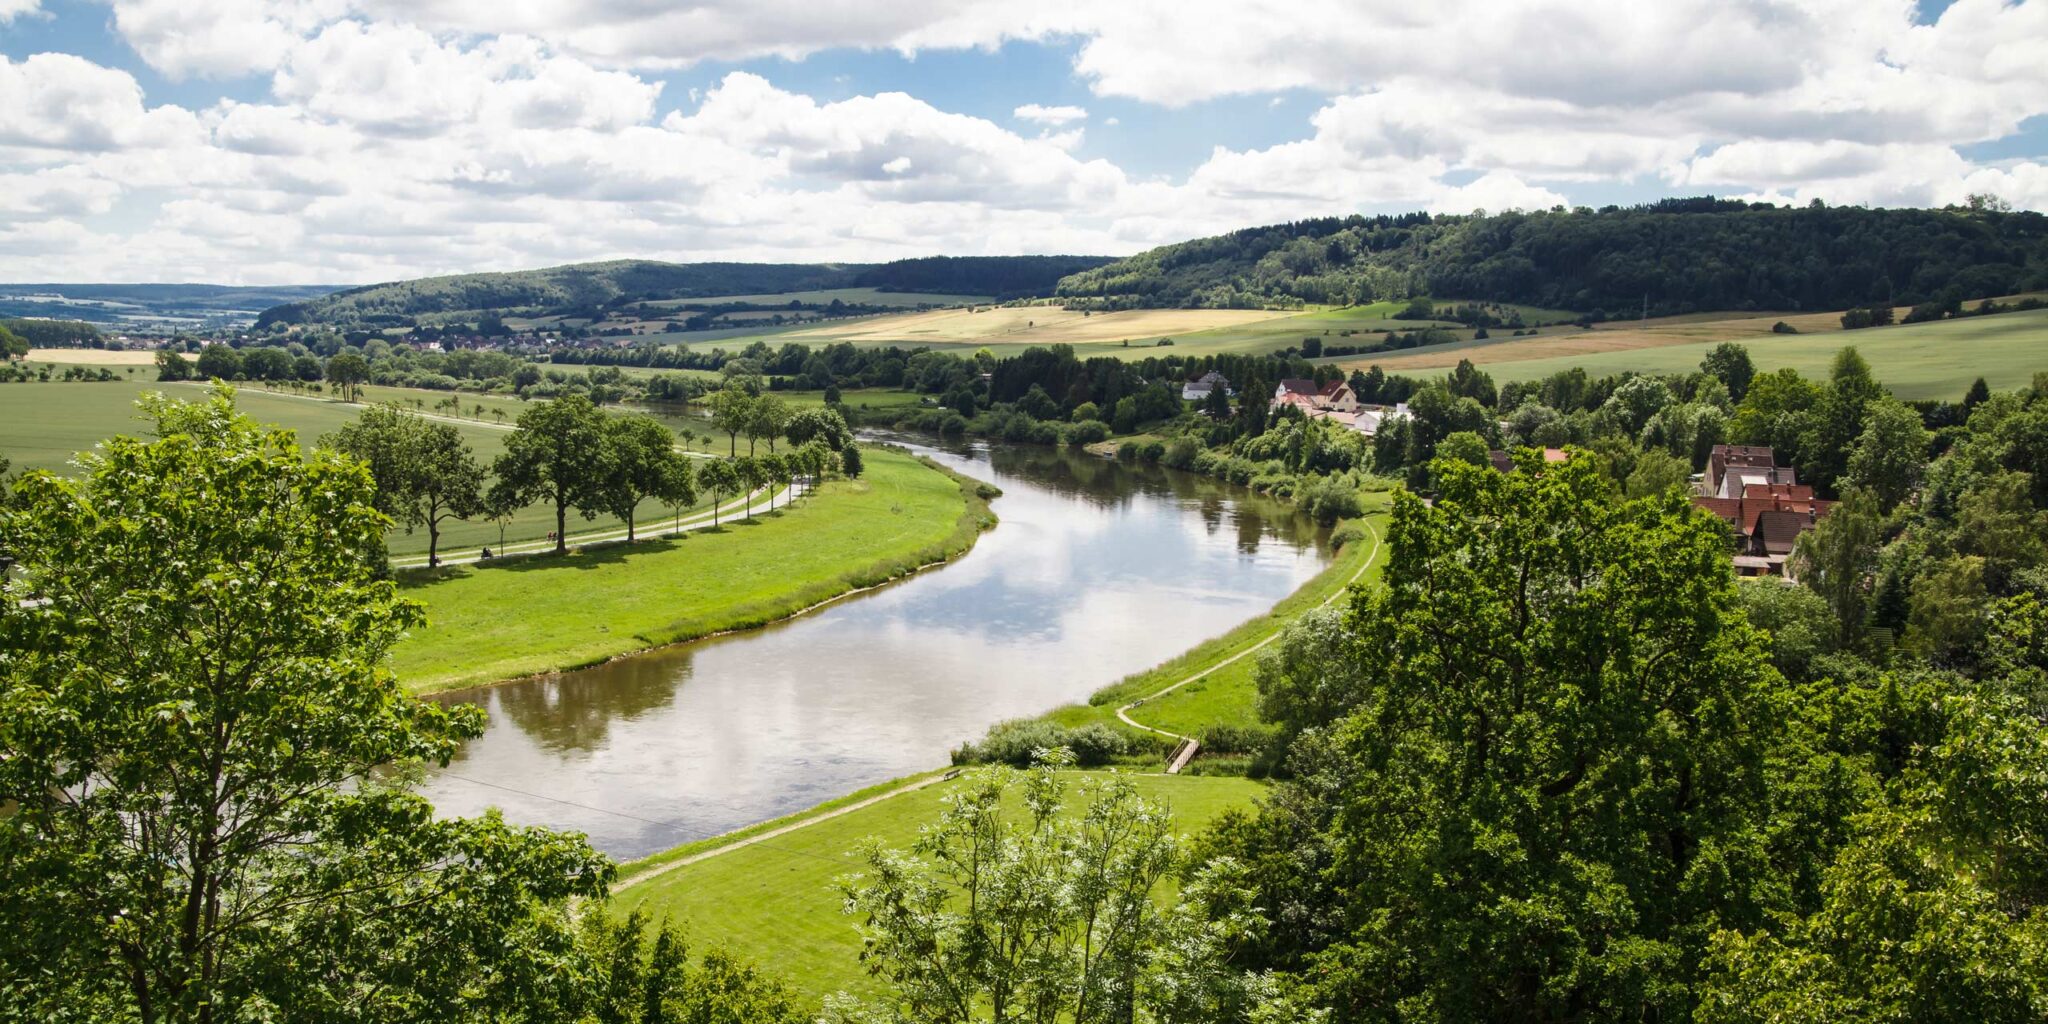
(1033, 325)
(92, 356)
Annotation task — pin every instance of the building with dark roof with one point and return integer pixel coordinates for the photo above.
(1766, 521)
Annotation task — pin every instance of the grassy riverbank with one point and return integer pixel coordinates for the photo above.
(547, 614)
(771, 897)
(1227, 694)
(774, 901)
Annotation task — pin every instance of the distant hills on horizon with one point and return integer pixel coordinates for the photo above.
(1671, 257)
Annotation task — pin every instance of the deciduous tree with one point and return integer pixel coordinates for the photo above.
(347, 370)
(197, 723)
(639, 463)
(556, 453)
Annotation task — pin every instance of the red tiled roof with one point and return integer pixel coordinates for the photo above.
(1785, 492)
(1729, 509)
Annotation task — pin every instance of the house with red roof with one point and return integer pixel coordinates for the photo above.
(1766, 521)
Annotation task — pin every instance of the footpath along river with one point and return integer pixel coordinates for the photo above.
(1098, 570)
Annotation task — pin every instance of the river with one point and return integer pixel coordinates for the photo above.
(1098, 570)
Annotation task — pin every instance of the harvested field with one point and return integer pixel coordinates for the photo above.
(1033, 325)
(93, 356)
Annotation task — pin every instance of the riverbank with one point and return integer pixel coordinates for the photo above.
(540, 615)
(773, 900)
(1217, 677)
(767, 891)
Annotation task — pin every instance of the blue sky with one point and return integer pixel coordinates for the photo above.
(357, 140)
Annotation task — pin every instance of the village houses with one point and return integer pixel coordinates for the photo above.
(1764, 505)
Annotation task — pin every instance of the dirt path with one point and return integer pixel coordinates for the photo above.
(1189, 746)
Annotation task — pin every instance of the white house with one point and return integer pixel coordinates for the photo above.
(1198, 390)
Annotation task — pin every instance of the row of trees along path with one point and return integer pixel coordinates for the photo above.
(570, 454)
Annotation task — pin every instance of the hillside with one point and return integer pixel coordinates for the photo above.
(1676, 256)
(585, 288)
(118, 303)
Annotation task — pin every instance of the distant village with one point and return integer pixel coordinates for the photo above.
(1763, 503)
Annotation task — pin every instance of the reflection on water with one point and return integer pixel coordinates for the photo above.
(1098, 570)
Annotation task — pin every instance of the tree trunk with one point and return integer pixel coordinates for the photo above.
(433, 540)
(561, 527)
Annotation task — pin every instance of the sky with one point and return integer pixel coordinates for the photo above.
(352, 141)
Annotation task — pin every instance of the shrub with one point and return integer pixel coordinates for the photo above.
(1227, 738)
(1347, 535)
(1180, 454)
(1017, 742)
(1153, 451)
(1329, 498)
(1088, 432)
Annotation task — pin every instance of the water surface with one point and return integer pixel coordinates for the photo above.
(1098, 570)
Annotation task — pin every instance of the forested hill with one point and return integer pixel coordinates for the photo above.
(593, 286)
(1679, 255)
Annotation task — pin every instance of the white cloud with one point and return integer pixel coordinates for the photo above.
(409, 136)
(1054, 116)
(401, 80)
(218, 38)
(12, 9)
(57, 101)
(1494, 192)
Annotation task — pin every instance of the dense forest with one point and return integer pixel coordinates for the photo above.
(1675, 256)
(588, 287)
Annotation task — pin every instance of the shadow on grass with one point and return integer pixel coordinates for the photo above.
(593, 556)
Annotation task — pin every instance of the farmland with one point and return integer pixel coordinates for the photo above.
(92, 357)
(775, 903)
(1937, 359)
(1009, 328)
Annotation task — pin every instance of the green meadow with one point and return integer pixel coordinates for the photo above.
(516, 617)
(1937, 359)
(45, 426)
(775, 903)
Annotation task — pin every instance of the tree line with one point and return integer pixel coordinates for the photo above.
(1669, 257)
(570, 456)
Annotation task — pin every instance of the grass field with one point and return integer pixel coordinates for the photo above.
(44, 426)
(543, 614)
(1915, 359)
(1928, 360)
(774, 902)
